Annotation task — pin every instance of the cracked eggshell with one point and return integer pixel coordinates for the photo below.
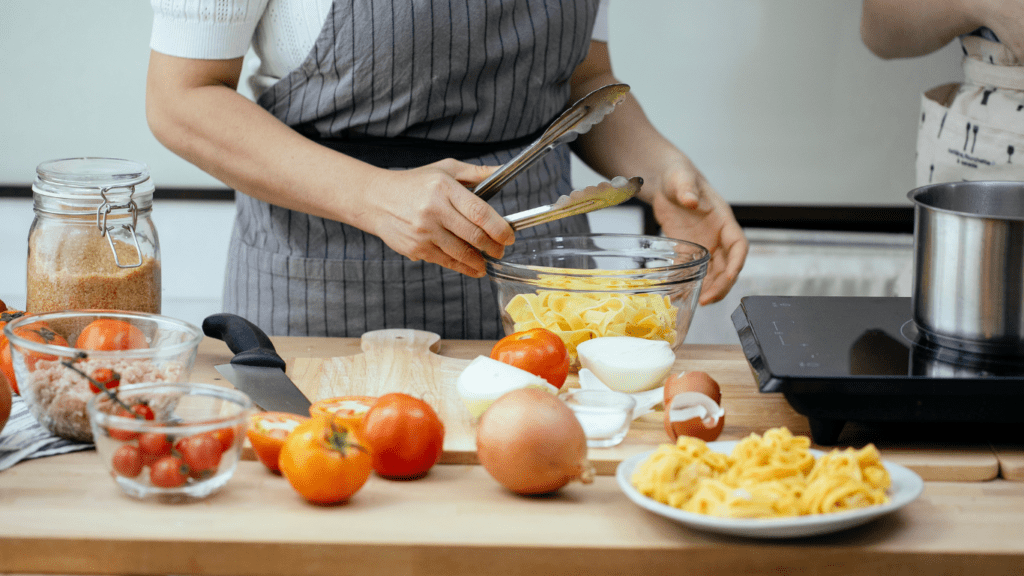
(693, 381)
(694, 414)
(627, 364)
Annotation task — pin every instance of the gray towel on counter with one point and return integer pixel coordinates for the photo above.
(24, 438)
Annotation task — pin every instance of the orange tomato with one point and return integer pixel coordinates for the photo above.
(350, 409)
(405, 436)
(34, 332)
(267, 432)
(111, 334)
(539, 351)
(324, 460)
(5, 404)
(6, 368)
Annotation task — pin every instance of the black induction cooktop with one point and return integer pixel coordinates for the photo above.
(862, 359)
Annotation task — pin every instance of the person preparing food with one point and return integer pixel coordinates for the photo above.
(968, 131)
(371, 124)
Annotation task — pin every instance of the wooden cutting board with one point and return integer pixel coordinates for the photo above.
(408, 361)
(398, 360)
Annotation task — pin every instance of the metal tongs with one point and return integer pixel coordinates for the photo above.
(576, 120)
(582, 201)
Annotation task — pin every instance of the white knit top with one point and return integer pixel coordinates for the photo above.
(280, 32)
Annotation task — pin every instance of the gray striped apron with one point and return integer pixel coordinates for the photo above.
(401, 85)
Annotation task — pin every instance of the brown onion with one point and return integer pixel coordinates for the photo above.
(532, 443)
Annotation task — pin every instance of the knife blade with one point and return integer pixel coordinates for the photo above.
(256, 368)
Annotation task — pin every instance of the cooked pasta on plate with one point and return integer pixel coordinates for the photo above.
(770, 485)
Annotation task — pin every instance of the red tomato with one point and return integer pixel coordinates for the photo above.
(201, 453)
(127, 461)
(324, 461)
(144, 410)
(538, 351)
(224, 436)
(105, 377)
(154, 446)
(405, 435)
(267, 432)
(168, 472)
(139, 411)
(110, 334)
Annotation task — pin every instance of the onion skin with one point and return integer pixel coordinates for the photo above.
(531, 443)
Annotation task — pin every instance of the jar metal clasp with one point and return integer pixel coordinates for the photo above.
(101, 222)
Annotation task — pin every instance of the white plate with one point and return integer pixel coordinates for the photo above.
(905, 488)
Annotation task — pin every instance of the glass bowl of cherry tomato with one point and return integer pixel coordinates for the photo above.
(174, 441)
(57, 361)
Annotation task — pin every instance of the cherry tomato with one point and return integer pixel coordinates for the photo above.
(106, 377)
(127, 461)
(351, 409)
(539, 351)
(144, 410)
(267, 432)
(35, 332)
(139, 411)
(324, 461)
(201, 453)
(110, 334)
(168, 472)
(405, 435)
(154, 446)
(224, 436)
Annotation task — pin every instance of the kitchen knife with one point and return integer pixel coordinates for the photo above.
(256, 368)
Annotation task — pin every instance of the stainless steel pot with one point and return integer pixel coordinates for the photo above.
(969, 265)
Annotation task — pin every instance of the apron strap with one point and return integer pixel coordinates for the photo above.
(985, 74)
(403, 152)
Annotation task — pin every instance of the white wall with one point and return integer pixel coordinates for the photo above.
(777, 102)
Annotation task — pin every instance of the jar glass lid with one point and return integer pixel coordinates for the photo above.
(88, 176)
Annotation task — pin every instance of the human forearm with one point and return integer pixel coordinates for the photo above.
(624, 143)
(201, 118)
(908, 28)
(425, 213)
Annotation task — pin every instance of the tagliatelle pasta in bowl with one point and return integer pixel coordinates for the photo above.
(594, 285)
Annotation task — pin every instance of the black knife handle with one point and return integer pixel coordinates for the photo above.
(251, 345)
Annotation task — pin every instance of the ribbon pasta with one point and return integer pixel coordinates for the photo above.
(773, 475)
(579, 316)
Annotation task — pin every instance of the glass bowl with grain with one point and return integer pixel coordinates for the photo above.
(58, 360)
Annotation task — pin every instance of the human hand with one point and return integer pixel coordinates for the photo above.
(688, 208)
(429, 213)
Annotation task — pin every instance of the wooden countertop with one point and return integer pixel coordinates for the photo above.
(64, 515)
